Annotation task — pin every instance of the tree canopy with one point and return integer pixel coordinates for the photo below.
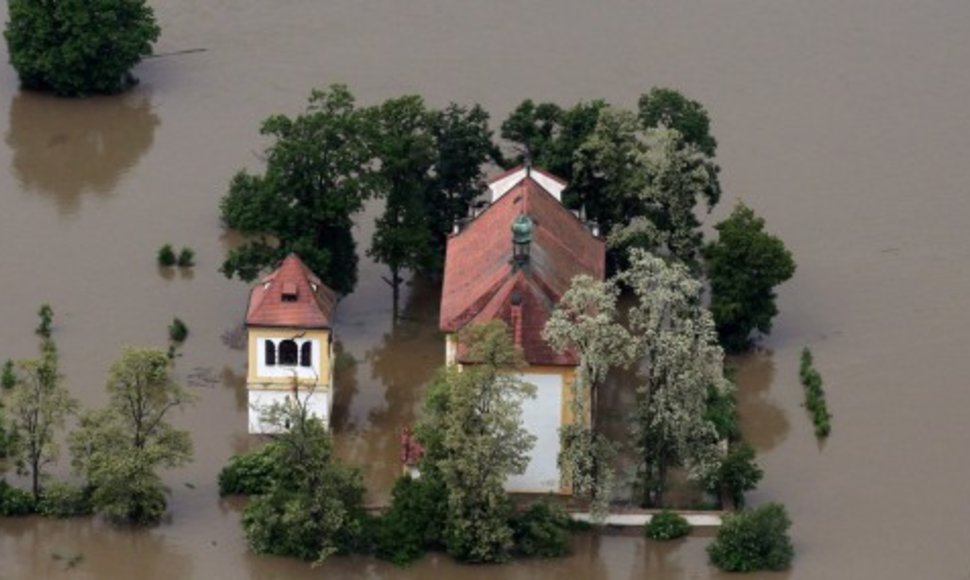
(38, 407)
(79, 47)
(313, 506)
(681, 361)
(669, 108)
(474, 439)
(318, 175)
(120, 448)
(745, 265)
(586, 322)
(430, 166)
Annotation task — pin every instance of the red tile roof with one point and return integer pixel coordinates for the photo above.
(480, 280)
(313, 304)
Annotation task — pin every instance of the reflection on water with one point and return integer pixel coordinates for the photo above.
(763, 423)
(87, 548)
(64, 148)
(397, 368)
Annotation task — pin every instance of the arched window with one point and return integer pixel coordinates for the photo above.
(306, 354)
(270, 353)
(288, 353)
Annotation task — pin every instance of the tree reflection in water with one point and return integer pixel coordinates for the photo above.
(64, 148)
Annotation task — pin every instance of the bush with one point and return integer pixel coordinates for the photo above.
(667, 526)
(542, 531)
(186, 258)
(754, 540)
(250, 473)
(14, 501)
(415, 521)
(814, 395)
(178, 331)
(46, 314)
(79, 47)
(737, 474)
(166, 256)
(308, 524)
(8, 378)
(63, 500)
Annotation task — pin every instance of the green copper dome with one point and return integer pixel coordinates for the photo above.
(522, 230)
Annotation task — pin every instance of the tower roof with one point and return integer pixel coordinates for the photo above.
(482, 282)
(291, 296)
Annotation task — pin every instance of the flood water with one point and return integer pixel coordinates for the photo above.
(845, 124)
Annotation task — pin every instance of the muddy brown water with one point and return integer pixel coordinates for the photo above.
(843, 123)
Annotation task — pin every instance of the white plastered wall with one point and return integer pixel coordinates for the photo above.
(542, 416)
(318, 405)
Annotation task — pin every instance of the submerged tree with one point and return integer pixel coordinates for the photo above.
(745, 264)
(120, 449)
(681, 361)
(430, 167)
(79, 47)
(474, 439)
(313, 506)
(318, 175)
(669, 108)
(406, 150)
(38, 407)
(548, 135)
(585, 322)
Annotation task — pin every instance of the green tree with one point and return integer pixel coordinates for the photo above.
(405, 147)
(120, 449)
(474, 438)
(669, 108)
(79, 47)
(430, 167)
(38, 407)
(314, 505)
(681, 361)
(737, 474)
(549, 135)
(464, 145)
(585, 322)
(754, 540)
(609, 170)
(319, 172)
(745, 265)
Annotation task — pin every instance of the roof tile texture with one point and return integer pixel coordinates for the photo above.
(480, 279)
(313, 307)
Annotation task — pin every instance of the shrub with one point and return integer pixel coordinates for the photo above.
(14, 501)
(79, 47)
(63, 500)
(166, 256)
(737, 474)
(542, 531)
(415, 521)
(753, 540)
(667, 526)
(8, 378)
(178, 331)
(308, 524)
(46, 314)
(186, 258)
(250, 473)
(814, 395)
